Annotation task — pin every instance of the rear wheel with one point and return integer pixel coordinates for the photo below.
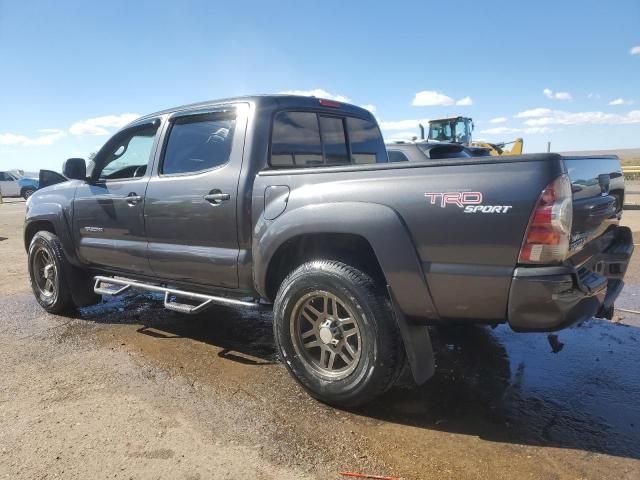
(47, 271)
(336, 334)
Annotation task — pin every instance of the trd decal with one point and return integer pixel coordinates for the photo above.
(471, 202)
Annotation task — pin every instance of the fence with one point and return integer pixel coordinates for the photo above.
(631, 172)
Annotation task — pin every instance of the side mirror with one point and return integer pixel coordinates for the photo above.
(75, 168)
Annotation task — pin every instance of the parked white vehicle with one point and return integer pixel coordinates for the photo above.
(9, 186)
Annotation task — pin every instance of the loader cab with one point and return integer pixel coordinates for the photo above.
(451, 130)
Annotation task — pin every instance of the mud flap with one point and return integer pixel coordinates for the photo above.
(81, 285)
(417, 344)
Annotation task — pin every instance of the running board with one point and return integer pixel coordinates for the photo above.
(124, 284)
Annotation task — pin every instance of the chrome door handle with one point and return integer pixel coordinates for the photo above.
(133, 199)
(217, 197)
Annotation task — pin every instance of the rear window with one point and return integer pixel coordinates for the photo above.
(307, 139)
(296, 140)
(396, 156)
(367, 145)
(336, 151)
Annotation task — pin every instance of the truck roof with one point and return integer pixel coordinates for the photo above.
(274, 101)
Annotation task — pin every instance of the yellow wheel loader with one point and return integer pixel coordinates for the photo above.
(459, 130)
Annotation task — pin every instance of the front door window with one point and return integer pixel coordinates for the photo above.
(128, 156)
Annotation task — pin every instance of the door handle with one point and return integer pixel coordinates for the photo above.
(132, 199)
(216, 197)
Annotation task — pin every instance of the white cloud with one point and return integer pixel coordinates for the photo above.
(511, 131)
(404, 124)
(401, 136)
(556, 95)
(498, 120)
(432, 98)
(371, 108)
(620, 101)
(466, 101)
(101, 125)
(593, 95)
(499, 131)
(320, 93)
(635, 50)
(559, 117)
(534, 130)
(534, 112)
(48, 136)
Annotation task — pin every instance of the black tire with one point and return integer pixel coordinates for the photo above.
(381, 353)
(27, 193)
(55, 297)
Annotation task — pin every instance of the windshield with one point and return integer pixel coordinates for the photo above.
(462, 133)
(441, 131)
(453, 130)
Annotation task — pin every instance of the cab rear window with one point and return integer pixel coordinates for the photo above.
(309, 139)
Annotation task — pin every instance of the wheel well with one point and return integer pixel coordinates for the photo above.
(23, 189)
(36, 227)
(351, 249)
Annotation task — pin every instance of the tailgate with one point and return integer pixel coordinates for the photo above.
(598, 196)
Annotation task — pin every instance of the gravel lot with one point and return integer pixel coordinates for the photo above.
(128, 390)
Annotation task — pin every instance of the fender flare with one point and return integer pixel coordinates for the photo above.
(54, 214)
(393, 246)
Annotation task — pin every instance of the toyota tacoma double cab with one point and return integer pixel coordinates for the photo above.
(291, 203)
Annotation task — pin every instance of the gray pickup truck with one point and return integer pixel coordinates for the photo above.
(290, 203)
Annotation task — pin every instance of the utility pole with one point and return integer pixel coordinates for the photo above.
(548, 147)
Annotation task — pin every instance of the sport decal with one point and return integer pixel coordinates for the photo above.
(470, 202)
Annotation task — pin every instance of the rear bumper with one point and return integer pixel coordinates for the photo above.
(550, 298)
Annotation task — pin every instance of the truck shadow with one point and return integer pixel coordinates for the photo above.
(507, 387)
(495, 384)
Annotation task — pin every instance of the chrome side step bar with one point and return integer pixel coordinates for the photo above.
(124, 284)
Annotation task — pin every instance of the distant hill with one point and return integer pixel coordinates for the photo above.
(628, 156)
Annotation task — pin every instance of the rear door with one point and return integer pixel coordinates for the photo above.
(190, 210)
(108, 222)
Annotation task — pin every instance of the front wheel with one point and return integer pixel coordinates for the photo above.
(47, 271)
(336, 334)
(27, 193)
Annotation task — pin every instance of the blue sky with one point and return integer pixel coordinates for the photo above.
(565, 72)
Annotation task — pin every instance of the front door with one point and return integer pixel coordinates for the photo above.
(108, 220)
(190, 208)
(9, 185)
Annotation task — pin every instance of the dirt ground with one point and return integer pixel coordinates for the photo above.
(128, 390)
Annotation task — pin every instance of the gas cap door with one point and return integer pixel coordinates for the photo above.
(275, 201)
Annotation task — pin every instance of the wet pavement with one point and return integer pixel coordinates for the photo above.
(577, 389)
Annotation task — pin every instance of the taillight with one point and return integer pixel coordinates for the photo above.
(549, 229)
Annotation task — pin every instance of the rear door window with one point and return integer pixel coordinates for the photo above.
(296, 140)
(198, 143)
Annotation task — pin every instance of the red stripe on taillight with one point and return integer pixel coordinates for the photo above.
(549, 230)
